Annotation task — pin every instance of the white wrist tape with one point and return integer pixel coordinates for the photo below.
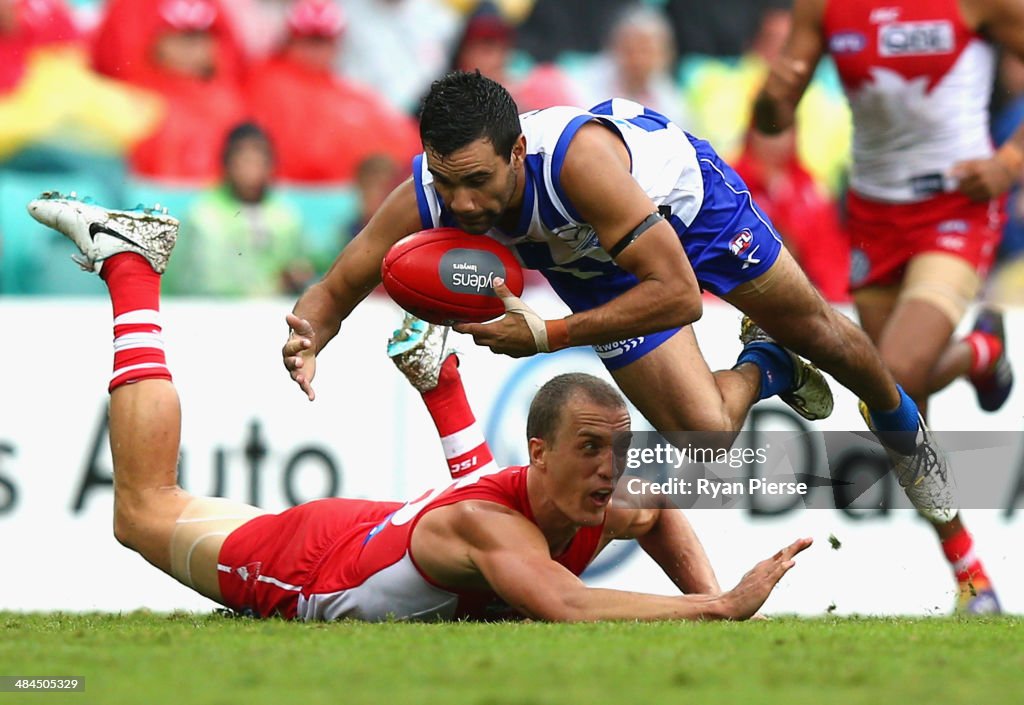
(513, 304)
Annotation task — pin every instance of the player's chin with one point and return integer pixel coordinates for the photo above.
(590, 518)
(476, 226)
(592, 510)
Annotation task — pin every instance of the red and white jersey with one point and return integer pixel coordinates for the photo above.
(918, 80)
(369, 573)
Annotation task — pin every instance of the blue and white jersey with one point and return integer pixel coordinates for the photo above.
(726, 238)
(551, 234)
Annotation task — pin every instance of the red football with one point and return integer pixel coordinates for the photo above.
(445, 275)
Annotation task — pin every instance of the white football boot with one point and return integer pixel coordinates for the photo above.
(923, 475)
(418, 350)
(100, 232)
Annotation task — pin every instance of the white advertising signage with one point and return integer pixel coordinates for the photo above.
(249, 434)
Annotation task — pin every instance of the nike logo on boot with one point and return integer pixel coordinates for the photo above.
(97, 228)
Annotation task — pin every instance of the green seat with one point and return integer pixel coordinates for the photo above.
(327, 214)
(176, 199)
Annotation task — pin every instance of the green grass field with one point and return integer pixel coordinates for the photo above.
(198, 659)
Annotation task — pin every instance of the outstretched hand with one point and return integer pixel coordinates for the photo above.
(744, 600)
(299, 353)
(511, 334)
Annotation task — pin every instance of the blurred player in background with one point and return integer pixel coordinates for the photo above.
(494, 543)
(800, 209)
(924, 203)
(628, 218)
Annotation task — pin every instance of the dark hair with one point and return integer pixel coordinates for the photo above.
(243, 132)
(463, 107)
(546, 408)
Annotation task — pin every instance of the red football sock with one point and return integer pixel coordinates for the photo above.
(464, 446)
(135, 296)
(985, 350)
(959, 550)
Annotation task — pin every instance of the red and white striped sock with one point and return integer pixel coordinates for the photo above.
(135, 296)
(985, 350)
(464, 446)
(959, 550)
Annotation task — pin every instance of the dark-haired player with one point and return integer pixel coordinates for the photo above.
(493, 543)
(628, 217)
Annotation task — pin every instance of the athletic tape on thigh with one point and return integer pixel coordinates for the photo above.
(645, 225)
(204, 516)
(759, 285)
(192, 548)
(944, 298)
(945, 281)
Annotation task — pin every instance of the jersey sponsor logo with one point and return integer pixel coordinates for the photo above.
(581, 238)
(620, 347)
(916, 38)
(953, 226)
(927, 184)
(847, 42)
(951, 242)
(470, 271)
(880, 15)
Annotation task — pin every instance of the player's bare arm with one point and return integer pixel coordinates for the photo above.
(318, 314)
(775, 105)
(597, 179)
(666, 535)
(509, 554)
(982, 179)
(473, 544)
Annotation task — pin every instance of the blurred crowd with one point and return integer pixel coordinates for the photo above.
(274, 128)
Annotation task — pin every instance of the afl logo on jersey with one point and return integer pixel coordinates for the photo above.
(916, 38)
(847, 43)
(741, 242)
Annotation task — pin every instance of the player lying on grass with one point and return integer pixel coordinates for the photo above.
(493, 543)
